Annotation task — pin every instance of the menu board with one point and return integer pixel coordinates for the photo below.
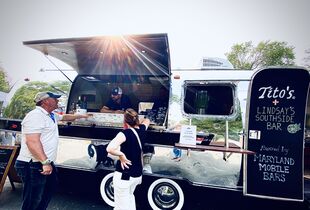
(7, 154)
(188, 134)
(275, 123)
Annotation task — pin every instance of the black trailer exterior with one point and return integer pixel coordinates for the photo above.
(207, 175)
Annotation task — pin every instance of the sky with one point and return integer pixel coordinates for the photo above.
(195, 28)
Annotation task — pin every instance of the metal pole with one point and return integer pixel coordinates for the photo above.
(226, 140)
(226, 135)
(58, 68)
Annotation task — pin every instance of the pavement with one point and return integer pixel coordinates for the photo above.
(80, 195)
(65, 199)
(62, 200)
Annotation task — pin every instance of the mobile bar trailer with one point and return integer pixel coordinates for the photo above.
(216, 99)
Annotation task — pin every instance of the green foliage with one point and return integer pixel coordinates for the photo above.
(4, 84)
(22, 101)
(307, 58)
(64, 86)
(175, 98)
(266, 53)
(219, 127)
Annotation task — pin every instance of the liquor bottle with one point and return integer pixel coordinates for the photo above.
(79, 104)
(72, 108)
(84, 103)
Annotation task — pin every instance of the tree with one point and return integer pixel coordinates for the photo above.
(307, 58)
(266, 53)
(4, 84)
(61, 86)
(22, 101)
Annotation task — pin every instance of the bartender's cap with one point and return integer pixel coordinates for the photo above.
(116, 91)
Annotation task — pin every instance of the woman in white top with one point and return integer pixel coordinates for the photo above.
(127, 145)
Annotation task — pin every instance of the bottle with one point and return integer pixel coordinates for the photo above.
(79, 103)
(72, 108)
(84, 102)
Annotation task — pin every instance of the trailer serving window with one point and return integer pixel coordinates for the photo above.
(148, 94)
(210, 99)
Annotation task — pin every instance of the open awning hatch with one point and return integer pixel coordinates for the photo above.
(111, 55)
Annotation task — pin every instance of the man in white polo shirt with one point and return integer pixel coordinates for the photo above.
(38, 151)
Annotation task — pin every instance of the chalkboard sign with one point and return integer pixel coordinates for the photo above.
(7, 154)
(275, 122)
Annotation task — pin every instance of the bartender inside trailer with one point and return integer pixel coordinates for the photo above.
(117, 103)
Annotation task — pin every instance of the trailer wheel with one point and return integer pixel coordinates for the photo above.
(91, 149)
(107, 190)
(165, 194)
(92, 153)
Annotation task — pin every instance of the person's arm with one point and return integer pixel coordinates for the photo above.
(36, 149)
(72, 117)
(106, 109)
(113, 149)
(145, 122)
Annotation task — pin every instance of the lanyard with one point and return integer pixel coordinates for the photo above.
(51, 115)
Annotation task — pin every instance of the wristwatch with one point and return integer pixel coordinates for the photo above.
(46, 162)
